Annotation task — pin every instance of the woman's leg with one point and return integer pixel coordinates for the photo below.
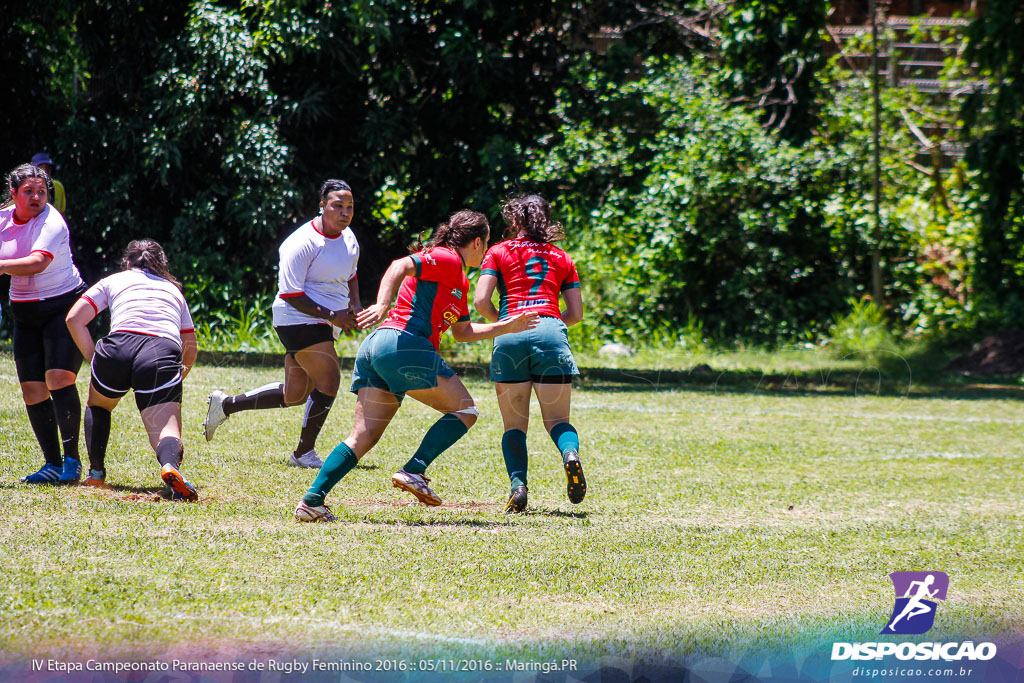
(67, 407)
(97, 433)
(163, 426)
(43, 418)
(514, 403)
(555, 401)
(320, 364)
(374, 411)
(291, 392)
(451, 398)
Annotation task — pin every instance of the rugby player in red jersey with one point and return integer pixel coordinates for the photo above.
(401, 357)
(530, 273)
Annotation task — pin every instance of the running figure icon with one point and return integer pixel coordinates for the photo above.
(917, 594)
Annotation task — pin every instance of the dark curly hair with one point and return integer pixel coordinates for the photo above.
(461, 228)
(531, 215)
(148, 255)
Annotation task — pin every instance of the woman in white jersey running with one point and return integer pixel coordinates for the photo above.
(317, 297)
(35, 251)
(151, 348)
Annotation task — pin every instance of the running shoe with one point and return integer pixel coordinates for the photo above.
(517, 501)
(71, 473)
(96, 479)
(215, 415)
(172, 477)
(575, 482)
(311, 513)
(416, 484)
(308, 459)
(47, 474)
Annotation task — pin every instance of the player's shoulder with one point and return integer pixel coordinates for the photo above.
(303, 236)
(52, 219)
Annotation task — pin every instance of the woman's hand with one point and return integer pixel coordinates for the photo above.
(344, 319)
(371, 315)
(526, 321)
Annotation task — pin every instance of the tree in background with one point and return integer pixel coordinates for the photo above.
(771, 51)
(994, 120)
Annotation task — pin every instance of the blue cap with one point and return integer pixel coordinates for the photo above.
(42, 158)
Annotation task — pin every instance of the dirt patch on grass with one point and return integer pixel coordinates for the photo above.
(1001, 353)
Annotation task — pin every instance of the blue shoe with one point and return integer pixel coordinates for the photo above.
(96, 479)
(72, 471)
(47, 474)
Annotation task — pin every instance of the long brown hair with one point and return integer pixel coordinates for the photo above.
(531, 215)
(461, 228)
(148, 255)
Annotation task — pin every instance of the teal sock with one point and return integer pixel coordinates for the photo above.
(565, 437)
(513, 449)
(439, 438)
(339, 463)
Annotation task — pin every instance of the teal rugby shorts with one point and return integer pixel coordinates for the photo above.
(397, 361)
(539, 355)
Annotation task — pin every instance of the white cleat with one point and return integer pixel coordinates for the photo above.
(308, 513)
(215, 416)
(309, 460)
(416, 484)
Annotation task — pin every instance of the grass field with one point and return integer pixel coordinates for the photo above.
(717, 520)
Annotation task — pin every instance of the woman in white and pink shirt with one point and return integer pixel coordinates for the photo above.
(35, 251)
(150, 349)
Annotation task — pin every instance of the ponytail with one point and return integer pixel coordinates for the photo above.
(148, 255)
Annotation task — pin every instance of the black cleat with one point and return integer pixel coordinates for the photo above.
(517, 501)
(575, 482)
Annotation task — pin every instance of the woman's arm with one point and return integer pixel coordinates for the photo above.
(573, 312)
(354, 301)
(467, 331)
(343, 319)
(33, 264)
(482, 297)
(189, 352)
(80, 315)
(396, 272)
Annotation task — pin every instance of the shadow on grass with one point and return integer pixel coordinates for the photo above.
(902, 377)
(546, 512)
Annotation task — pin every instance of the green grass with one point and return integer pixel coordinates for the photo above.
(718, 519)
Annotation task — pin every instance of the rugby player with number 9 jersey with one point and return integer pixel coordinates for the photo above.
(530, 274)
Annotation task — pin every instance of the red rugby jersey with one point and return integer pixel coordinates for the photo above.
(530, 276)
(435, 298)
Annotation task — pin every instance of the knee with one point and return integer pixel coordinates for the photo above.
(329, 386)
(34, 392)
(468, 416)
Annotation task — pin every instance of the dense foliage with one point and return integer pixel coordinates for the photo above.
(711, 183)
(995, 127)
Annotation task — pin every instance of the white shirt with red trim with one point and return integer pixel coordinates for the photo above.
(319, 267)
(143, 303)
(47, 233)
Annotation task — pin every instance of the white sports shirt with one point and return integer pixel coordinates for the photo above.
(48, 234)
(319, 267)
(143, 303)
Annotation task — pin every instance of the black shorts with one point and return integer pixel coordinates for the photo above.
(298, 337)
(41, 338)
(149, 365)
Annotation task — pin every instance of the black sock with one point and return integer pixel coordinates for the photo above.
(44, 423)
(68, 407)
(317, 407)
(169, 451)
(267, 396)
(97, 433)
